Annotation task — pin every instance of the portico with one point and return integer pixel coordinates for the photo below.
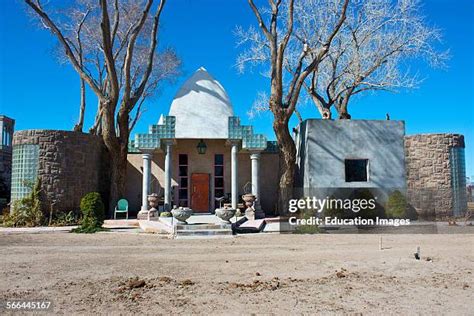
(200, 152)
(198, 166)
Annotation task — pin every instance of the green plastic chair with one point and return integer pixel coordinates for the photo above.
(122, 207)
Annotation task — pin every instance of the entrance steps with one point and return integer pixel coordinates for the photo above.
(183, 231)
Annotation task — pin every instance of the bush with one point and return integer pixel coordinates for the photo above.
(166, 214)
(355, 194)
(65, 219)
(368, 213)
(26, 211)
(398, 207)
(93, 213)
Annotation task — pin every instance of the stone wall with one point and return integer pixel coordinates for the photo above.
(429, 176)
(70, 165)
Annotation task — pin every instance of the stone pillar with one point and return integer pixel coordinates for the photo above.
(255, 159)
(168, 153)
(234, 174)
(146, 180)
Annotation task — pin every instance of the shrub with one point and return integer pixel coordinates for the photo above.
(65, 219)
(368, 213)
(26, 211)
(307, 229)
(93, 213)
(166, 214)
(398, 207)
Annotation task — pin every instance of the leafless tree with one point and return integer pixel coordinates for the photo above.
(112, 45)
(271, 43)
(370, 52)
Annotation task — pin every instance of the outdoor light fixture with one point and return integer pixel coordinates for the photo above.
(201, 147)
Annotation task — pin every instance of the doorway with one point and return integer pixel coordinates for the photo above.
(200, 192)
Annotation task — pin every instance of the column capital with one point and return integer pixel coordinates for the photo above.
(168, 141)
(255, 155)
(233, 142)
(146, 155)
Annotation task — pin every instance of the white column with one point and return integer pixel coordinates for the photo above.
(234, 174)
(255, 158)
(146, 180)
(168, 167)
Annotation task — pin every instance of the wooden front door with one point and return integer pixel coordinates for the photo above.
(200, 192)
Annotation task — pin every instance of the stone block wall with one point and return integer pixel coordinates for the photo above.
(429, 174)
(70, 165)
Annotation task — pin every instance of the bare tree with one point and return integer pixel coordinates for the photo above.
(113, 47)
(270, 44)
(370, 52)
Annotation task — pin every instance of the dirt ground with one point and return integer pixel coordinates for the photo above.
(119, 273)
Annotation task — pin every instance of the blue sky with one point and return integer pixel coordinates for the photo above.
(40, 93)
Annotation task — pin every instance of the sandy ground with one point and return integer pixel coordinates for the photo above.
(119, 273)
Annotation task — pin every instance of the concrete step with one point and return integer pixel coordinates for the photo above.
(192, 227)
(204, 236)
(203, 233)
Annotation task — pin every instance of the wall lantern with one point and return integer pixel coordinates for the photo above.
(201, 147)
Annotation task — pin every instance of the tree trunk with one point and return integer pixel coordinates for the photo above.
(118, 175)
(343, 115)
(117, 160)
(287, 159)
(80, 123)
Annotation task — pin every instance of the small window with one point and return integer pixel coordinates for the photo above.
(219, 171)
(219, 160)
(183, 180)
(183, 160)
(356, 170)
(218, 177)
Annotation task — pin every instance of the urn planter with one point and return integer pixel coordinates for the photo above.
(249, 200)
(225, 214)
(182, 213)
(153, 200)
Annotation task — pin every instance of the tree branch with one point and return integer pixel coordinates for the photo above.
(56, 31)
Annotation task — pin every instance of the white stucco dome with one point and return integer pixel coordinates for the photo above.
(201, 107)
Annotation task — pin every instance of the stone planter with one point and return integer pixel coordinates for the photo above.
(182, 213)
(225, 214)
(249, 200)
(153, 200)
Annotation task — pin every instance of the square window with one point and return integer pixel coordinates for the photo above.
(219, 159)
(183, 171)
(356, 170)
(218, 193)
(183, 194)
(183, 182)
(183, 159)
(219, 171)
(218, 182)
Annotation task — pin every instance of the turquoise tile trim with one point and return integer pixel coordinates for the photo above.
(250, 141)
(25, 160)
(272, 146)
(155, 134)
(131, 147)
(458, 181)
